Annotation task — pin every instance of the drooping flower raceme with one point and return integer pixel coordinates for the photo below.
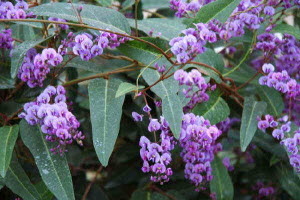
(196, 87)
(198, 141)
(156, 156)
(87, 47)
(35, 67)
(51, 113)
(6, 40)
(17, 11)
(282, 132)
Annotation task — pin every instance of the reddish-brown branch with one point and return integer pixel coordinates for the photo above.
(94, 28)
(88, 188)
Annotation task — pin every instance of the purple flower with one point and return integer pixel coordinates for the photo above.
(181, 76)
(154, 125)
(267, 68)
(278, 134)
(146, 109)
(137, 117)
(268, 10)
(263, 124)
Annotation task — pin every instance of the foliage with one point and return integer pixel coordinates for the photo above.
(149, 99)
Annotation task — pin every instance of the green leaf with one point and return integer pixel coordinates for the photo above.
(211, 58)
(172, 111)
(8, 137)
(127, 4)
(125, 87)
(156, 4)
(243, 74)
(267, 143)
(215, 109)
(43, 190)
(252, 110)
(105, 3)
(143, 52)
(285, 28)
(97, 64)
(6, 83)
(220, 10)
(53, 168)
(18, 182)
(20, 51)
(221, 183)
(106, 112)
(273, 99)
(289, 181)
(92, 15)
(248, 49)
(2, 184)
(163, 88)
(23, 32)
(169, 28)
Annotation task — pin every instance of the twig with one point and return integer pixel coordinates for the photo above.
(248, 81)
(88, 188)
(162, 192)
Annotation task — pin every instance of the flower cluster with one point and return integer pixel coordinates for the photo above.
(248, 14)
(50, 111)
(87, 48)
(35, 67)
(281, 81)
(281, 129)
(198, 141)
(225, 125)
(6, 41)
(62, 26)
(156, 156)
(196, 87)
(192, 43)
(17, 11)
(263, 190)
(284, 51)
(184, 9)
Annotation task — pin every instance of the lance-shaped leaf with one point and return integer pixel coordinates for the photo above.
(106, 112)
(289, 180)
(215, 109)
(8, 137)
(145, 53)
(163, 88)
(252, 110)
(18, 182)
(20, 51)
(44, 191)
(92, 15)
(1, 182)
(221, 183)
(169, 28)
(220, 10)
(53, 168)
(124, 88)
(105, 3)
(272, 98)
(172, 112)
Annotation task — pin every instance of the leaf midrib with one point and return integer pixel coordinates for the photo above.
(271, 103)
(48, 154)
(105, 117)
(5, 149)
(21, 182)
